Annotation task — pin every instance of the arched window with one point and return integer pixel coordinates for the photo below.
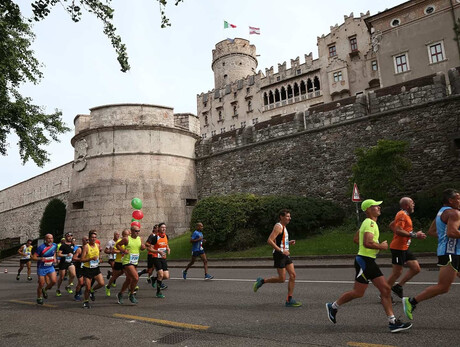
(303, 89)
(283, 93)
(235, 110)
(277, 95)
(205, 119)
(296, 89)
(270, 97)
(249, 105)
(289, 91)
(309, 86)
(316, 83)
(265, 99)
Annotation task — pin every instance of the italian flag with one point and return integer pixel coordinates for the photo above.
(228, 25)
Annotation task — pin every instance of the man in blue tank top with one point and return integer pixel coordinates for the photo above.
(45, 256)
(447, 226)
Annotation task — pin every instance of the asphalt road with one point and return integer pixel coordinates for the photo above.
(224, 312)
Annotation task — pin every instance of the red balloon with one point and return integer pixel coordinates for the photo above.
(136, 224)
(138, 215)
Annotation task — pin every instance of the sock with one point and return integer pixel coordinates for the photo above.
(335, 306)
(392, 319)
(263, 281)
(289, 298)
(158, 286)
(413, 301)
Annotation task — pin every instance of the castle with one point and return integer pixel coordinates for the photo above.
(290, 132)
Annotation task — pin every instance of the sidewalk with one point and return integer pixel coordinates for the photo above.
(426, 260)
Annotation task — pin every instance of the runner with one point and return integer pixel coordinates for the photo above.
(447, 224)
(399, 247)
(109, 249)
(367, 269)
(198, 251)
(133, 246)
(25, 252)
(150, 255)
(45, 256)
(117, 266)
(159, 247)
(279, 241)
(91, 259)
(65, 253)
(78, 268)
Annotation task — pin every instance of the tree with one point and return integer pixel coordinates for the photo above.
(17, 113)
(53, 219)
(380, 169)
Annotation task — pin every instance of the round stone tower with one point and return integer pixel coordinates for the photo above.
(233, 60)
(126, 151)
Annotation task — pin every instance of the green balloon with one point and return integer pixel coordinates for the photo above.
(134, 220)
(136, 203)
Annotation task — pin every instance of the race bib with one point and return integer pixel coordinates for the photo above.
(68, 258)
(133, 258)
(162, 250)
(93, 263)
(48, 261)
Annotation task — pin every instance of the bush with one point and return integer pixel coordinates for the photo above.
(244, 220)
(428, 202)
(53, 220)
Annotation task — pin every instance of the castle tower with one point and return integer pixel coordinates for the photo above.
(126, 151)
(233, 60)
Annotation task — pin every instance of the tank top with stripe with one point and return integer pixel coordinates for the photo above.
(282, 240)
(446, 245)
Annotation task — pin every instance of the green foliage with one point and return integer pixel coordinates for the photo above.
(17, 113)
(53, 219)
(241, 221)
(380, 169)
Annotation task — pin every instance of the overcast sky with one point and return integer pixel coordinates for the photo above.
(168, 66)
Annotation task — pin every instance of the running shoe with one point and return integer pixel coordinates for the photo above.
(331, 312)
(160, 295)
(69, 290)
(398, 290)
(17, 277)
(398, 326)
(71, 284)
(136, 289)
(184, 274)
(154, 282)
(109, 273)
(140, 273)
(77, 297)
(58, 292)
(132, 298)
(149, 280)
(107, 291)
(259, 283)
(45, 294)
(293, 303)
(120, 298)
(92, 295)
(208, 277)
(29, 278)
(40, 301)
(163, 286)
(408, 307)
(86, 304)
(114, 285)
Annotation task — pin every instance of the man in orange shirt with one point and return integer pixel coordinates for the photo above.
(400, 254)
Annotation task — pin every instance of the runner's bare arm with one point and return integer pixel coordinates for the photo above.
(432, 231)
(368, 242)
(453, 224)
(277, 229)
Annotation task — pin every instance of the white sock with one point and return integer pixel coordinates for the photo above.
(335, 306)
(392, 319)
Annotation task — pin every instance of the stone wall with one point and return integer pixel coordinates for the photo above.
(317, 161)
(22, 205)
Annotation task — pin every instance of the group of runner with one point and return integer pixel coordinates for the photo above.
(124, 257)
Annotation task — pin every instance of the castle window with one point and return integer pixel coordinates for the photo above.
(249, 106)
(206, 120)
(332, 51)
(374, 65)
(190, 202)
(309, 85)
(316, 83)
(353, 44)
(303, 88)
(235, 110)
(243, 124)
(278, 78)
(395, 22)
(296, 89)
(289, 91)
(270, 97)
(429, 9)
(277, 95)
(283, 93)
(78, 205)
(203, 136)
(222, 130)
(255, 121)
(436, 52)
(299, 71)
(232, 127)
(337, 76)
(220, 115)
(401, 63)
(248, 90)
(213, 133)
(265, 99)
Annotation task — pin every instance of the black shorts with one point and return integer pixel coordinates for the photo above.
(150, 261)
(117, 266)
(125, 265)
(399, 257)
(111, 261)
(91, 272)
(64, 265)
(78, 270)
(450, 259)
(281, 260)
(160, 264)
(24, 261)
(366, 269)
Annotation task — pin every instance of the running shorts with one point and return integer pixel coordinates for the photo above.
(197, 253)
(449, 259)
(118, 266)
(366, 269)
(399, 257)
(160, 264)
(281, 260)
(91, 272)
(45, 270)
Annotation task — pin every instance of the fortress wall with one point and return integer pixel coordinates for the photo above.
(317, 162)
(22, 205)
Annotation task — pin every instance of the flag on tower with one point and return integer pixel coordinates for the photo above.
(228, 25)
(253, 30)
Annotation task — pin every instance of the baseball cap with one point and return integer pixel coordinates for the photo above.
(368, 203)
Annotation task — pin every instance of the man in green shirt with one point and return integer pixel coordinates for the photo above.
(367, 270)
